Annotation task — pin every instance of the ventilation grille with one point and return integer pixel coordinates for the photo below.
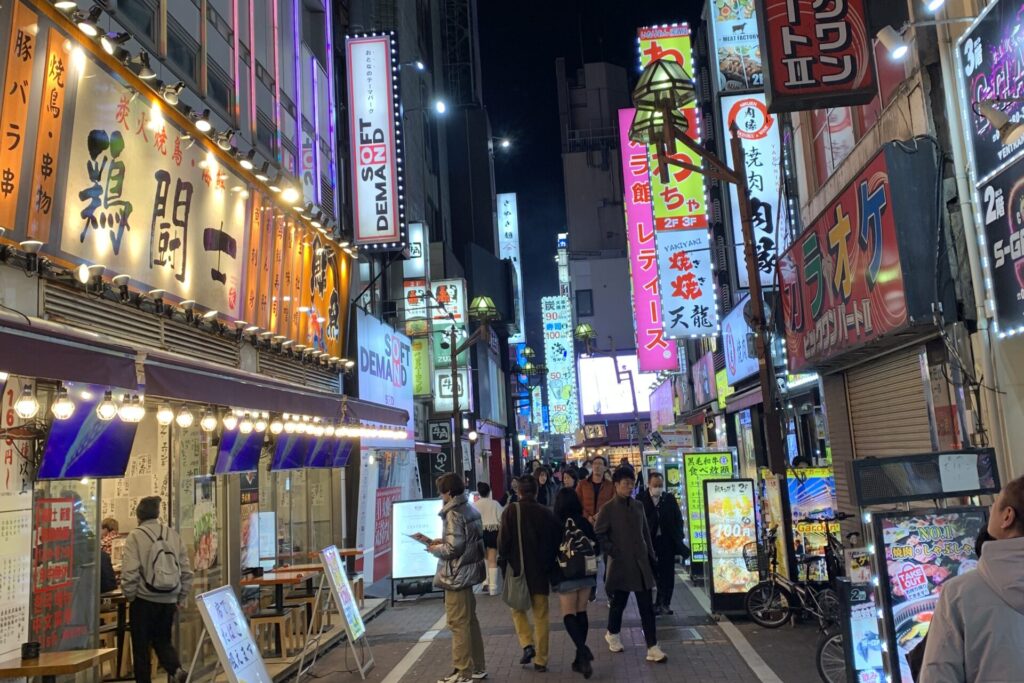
(289, 370)
(194, 343)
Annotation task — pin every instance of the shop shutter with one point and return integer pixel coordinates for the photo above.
(837, 416)
(889, 413)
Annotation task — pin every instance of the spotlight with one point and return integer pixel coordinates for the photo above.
(170, 92)
(209, 421)
(187, 305)
(27, 406)
(893, 42)
(121, 282)
(245, 160)
(184, 418)
(106, 410)
(223, 139)
(111, 41)
(201, 120)
(263, 173)
(86, 22)
(210, 314)
(142, 62)
(63, 407)
(31, 249)
(230, 421)
(275, 184)
(289, 194)
(164, 415)
(157, 295)
(1009, 131)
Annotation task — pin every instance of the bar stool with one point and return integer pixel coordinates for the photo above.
(283, 621)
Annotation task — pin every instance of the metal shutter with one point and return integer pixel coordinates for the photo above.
(837, 416)
(889, 413)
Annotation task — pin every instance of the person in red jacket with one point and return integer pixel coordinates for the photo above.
(595, 490)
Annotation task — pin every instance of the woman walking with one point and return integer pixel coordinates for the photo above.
(574, 593)
(490, 514)
(547, 488)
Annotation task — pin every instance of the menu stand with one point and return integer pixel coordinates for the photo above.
(360, 647)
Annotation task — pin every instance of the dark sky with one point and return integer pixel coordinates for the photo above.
(519, 43)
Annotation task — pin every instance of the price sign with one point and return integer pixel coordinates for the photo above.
(229, 630)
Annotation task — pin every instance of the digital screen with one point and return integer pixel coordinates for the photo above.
(812, 493)
(923, 550)
(731, 526)
(291, 452)
(602, 394)
(697, 467)
(410, 559)
(84, 445)
(238, 452)
(865, 641)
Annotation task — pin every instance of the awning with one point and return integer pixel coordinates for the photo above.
(743, 400)
(424, 447)
(34, 347)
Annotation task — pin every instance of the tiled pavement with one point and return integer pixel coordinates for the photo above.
(697, 648)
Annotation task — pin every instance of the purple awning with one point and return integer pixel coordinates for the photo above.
(40, 348)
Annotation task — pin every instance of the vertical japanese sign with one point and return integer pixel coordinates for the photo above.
(842, 282)
(762, 158)
(416, 306)
(375, 133)
(537, 408)
(447, 308)
(420, 366)
(739, 363)
(818, 54)
(53, 576)
(252, 261)
(683, 244)
(556, 318)
(698, 467)
(508, 248)
(17, 85)
(654, 352)
(51, 115)
(328, 286)
(736, 45)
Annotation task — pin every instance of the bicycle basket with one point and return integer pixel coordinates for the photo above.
(751, 553)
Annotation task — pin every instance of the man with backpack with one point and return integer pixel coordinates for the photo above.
(156, 579)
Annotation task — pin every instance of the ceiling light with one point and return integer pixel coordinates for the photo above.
(63, 407)
(86, 22)
(110, 41)
(245, 160)
(209, 421)
(170, 92)
(893, 43)
(230, 421)
(184, 418)
(164, 415)
(27, 407)
(201, 120)
(106, 410)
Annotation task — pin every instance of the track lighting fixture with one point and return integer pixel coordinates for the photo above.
(275, 184)
(171, 91)
(111, 41)
(141, 62)
(223, 139)
(121, 282)
(187, 306)
(245, 160)
(86, 21)
(31, 249)
(263, 172)
(66, 5)
(201, 120)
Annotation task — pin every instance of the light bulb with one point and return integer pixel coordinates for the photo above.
(318, 431)
(329, 430)
(246, 425)
(230, 421)
(289, 427)
(131, 410)
(164, 415)
(106, 410)
(124, 411)
(276, 427)
(260, 424)
(63, 407)
(209, 421)
(26, 406)
(184, 418)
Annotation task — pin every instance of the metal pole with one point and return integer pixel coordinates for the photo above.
(769, 389)
(457, 426)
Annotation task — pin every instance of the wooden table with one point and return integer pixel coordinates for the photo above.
(279, 580)
(116, 597)
(49, 665)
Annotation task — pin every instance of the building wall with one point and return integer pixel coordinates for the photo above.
(607, 278)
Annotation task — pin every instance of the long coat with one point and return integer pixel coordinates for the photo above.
(542, 533)
(621, 528)
(665, 521)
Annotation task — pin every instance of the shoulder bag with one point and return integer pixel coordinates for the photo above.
(514, 592)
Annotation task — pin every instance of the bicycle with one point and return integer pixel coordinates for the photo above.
(835, 551)
(777, 599)
(831, 656)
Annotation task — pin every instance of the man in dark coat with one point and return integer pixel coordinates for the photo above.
(622, 531)
(665, 521)
(541, 535)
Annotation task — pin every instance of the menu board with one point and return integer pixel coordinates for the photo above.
(730, 526)
(698, 467)
(864, 650)
(410, 558)
(229, 630)
(812, 493)
(342, 592)
(923, 549)
(16, 570)
(53, 582)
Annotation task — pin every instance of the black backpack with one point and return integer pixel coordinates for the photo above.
(577, 556)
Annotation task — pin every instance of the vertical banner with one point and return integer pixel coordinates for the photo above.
(686, 280)
(556, 317)
(762, 158)
(277, 274)
(17, 85)
(508, 248)
(266, 268)
(51, 116)
(817, 54)
(252, 261)
(736, 48)
(654, 352)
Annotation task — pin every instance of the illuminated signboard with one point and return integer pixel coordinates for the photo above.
(375, 134)
(385, 368)
(556, 318)
(508, 248)
(601, 392)
(705, 387)
(736, 47)
(731, 525)
(739, 363)
(698, 467)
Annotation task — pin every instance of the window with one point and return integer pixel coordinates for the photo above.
(221, 90)
(182, 51)
(140, 15)
(266, 133)
(584, 302)
(834, 138)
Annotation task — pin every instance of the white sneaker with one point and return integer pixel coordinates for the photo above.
(454, 677)
(655, 654)
(614, 642)
(479, 675)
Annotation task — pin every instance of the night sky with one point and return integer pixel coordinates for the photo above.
(519, 43)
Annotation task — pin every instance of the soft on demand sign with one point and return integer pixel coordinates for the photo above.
(385, 365)
(373, 103)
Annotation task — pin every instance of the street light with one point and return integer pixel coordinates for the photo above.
(663, 88)
(585, 334)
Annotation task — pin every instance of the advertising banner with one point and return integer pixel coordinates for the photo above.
(57, 526)
(923, 549)
(812, 494)
(1002, 211)
(722, 388)
(989, 62)
(601, 392)
(417, 265)
(59, 69)
(421, 369)
(770, 501)
(736, 47)
(556, 317)
(537, 408)
(416, 306)
(21, 58)
(341, 589)
(16, 562)
(731, 524)
(762, 158)
(385, 370)
(508, 248)
(705, 388)
(686, 280)
(817, 54)
(662, 402)
(739, 364)
(228, 629)
(654, 352)
(411, 559)
(374, 129)
(697, 468)
(864, 649)
(842, 281)
(444, 392)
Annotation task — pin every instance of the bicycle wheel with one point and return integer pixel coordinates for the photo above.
(768, 604)
(831, 610)
(832, 658)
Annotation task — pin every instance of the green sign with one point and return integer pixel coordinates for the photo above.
(443, 338)
(698, 467)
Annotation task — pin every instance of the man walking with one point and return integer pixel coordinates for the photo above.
(977, 631)
(528, 542)
(596, 490)
(460, 566)
(665, 521)
(622, 531)
(156, 578)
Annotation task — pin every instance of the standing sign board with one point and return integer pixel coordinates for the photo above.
(731, 524)
(699, 466)
(817, 54)
(228, 629)
(410, 558)
(342, 592)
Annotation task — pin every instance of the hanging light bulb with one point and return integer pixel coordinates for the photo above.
(209, 421)
(276, 426)
(184, 418)
(246, 425)
(26, 406)
(164, 415)
(124, 409)
(260, 424)
(131, 409)
(106, 409)
(289, 427)
(230, 421)
(63, 407)
(318, 431)
(329, 430)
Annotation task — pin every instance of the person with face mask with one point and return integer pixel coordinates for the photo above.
(665, 520)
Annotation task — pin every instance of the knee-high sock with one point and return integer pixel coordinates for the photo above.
(572, 627)
(583, 622)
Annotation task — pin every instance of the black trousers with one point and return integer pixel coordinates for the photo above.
(151, 624)
(644, 605)
(665, 577)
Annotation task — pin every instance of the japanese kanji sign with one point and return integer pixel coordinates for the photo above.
(654, 351)
(556, 317)
(762, 152)
(817, 53)
(375, 134)
(842, 281)
(17, 85)
(689, 305)
(508, 248)
(416, 305)
(51, 115)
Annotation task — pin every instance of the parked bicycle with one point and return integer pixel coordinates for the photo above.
(831, 656)
(835, 551)
(777, 599)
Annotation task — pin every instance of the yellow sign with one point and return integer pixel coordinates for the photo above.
(21, 54)
(724, 390)
(420, 366)
(51, 116)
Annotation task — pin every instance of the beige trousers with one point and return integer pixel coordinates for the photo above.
(467, 641)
